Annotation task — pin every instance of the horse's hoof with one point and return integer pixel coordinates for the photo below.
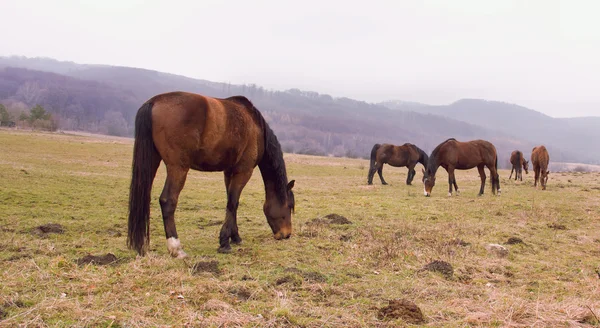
(236, 241)
(224, 249)
(384, 183)
(449, 194)
(369, 183)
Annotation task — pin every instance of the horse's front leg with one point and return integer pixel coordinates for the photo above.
(168, 203)
(234, 183)
(451, 181)
(511, 173)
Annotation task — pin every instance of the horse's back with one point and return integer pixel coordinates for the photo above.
(205, 133)
(539, 156)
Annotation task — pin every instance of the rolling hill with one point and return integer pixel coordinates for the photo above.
(104, 99)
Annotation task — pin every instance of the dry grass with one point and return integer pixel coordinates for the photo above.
(326, 275)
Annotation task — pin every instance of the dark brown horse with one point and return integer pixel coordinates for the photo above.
(406, 155)
(540, 160)
(189, 131)
(518, 161)
(455, 155)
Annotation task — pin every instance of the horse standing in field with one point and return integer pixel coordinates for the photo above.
(518, 161)
(189, 131)
(455, 155)
(406, 155)
(540, 160)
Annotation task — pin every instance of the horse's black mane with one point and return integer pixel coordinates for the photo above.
(433, 160)
(271, 165)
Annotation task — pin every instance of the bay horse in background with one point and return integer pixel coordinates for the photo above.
(540, 160)
(519, 163)
(189, 131)
(455, 155)
(406, 155)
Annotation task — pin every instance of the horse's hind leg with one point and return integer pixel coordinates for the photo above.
(511, 172)
(235, 183)
(168, 203)
(411, 175)
(380, 172)
(372, 171)
(495, 180)
(483, 177)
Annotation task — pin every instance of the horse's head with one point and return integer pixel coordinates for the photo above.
(428, 182)
(526, 166)
(544, 179)
(279, 216)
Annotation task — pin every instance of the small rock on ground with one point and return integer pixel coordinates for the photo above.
(497, 250)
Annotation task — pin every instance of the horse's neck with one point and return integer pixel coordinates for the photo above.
(274, 184)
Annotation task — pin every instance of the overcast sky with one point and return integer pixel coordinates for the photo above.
(544, 55)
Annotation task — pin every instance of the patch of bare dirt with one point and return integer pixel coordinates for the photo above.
(401, 309)
(557, 226)
(514, 241)
(46, 229)
(241, 293)
(107, 259)
(206, 266)
(458, 242)
(345, 237)
(442, 267)
(309, 276)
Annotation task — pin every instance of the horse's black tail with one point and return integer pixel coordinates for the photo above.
(144, 167)
(372, 164)
(497, 177)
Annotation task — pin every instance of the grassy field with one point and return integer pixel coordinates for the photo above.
(326, 275)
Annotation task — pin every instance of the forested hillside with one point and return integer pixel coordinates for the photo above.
(104, 99)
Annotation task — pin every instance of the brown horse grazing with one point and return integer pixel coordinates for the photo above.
(455, 155)
(190, 131)
(540, 160)
(518, 161)
(406, 155)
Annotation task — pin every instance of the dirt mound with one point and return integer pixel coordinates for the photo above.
(337, 219)
(514, 241)
(401, 309)
(109, 258)
(46, 229)
(209, 266)
(330, 219)
(442, 267)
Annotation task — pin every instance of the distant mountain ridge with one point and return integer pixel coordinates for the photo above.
(100, 98)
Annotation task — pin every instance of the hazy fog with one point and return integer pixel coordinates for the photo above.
(539, 54)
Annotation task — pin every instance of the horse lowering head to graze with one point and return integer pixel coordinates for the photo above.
(189, 131)
(406, 155)
(455, 155)
(540, 160)
(519, 163)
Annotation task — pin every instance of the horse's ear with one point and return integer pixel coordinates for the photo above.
(547, 172)
(291, 185)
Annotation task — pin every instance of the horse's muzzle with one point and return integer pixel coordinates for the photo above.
(282, 235)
